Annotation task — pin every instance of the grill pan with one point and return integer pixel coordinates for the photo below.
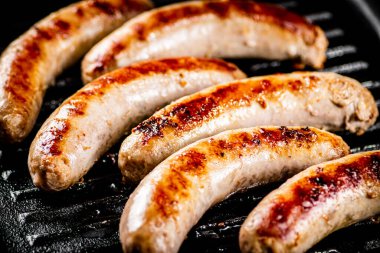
(85, 218)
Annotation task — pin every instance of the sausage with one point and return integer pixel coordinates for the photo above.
(313, 204)
(95, 117)
(323, 100)
(174, 196)
(31, 62)
(226, 29)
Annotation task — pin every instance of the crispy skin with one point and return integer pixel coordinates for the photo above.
(313, 204)
(324, 100)
(209, 29)
(31, 62)
(174, 196)
(96, 116)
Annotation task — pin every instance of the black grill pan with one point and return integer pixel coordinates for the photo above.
(85, 218)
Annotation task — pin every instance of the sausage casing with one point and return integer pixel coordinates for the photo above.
(324, 100)
(89, 122)
(31, 62)
(313, 204)
(226, 29)
(174, 196)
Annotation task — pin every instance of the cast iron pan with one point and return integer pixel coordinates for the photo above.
(85, 218)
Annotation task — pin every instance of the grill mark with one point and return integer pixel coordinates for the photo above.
(15, 93)
(52, 137)
(193, 112)
(19, 82)
(257, 12)
(108, 61)
(79, 12)
(223, 148)
(120, 7)
(312, 191)
(104, 7)
(54, 29)
(31, 49)
(173, 189)
(140, 31)
(165, 66)
(302, 137)
(153, 127)
(77, 104)
(62, 27)
(167, 17)
(128, 74)
(43, 34)
(261, 101)
(265, 12)
(76, 108)
(29, 52)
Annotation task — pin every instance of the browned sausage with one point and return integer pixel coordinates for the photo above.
(175, 195)
(324, 100)
(227, 29)
(96, 116)
(313, 204)
(31, 62)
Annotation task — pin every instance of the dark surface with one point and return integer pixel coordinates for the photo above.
(86, 217)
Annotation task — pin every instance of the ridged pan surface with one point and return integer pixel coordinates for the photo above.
(85, 218)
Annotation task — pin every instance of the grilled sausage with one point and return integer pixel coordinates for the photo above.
(32, 61)
(324, 100)
(96, 116)
(174, 196)
(231, 29)
(313, 204)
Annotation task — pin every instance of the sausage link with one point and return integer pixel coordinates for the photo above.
(95, 117)
(225, 29)
(313, 204)
(324, 100)
(174, 196)
(31, 62)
